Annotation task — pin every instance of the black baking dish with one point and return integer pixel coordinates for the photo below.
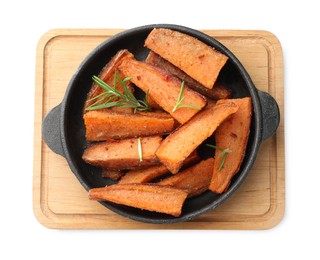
(64, 132)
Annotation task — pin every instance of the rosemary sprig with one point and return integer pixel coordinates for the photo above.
(223, 154)
(140, 150)
(181, 98)
(111, 97)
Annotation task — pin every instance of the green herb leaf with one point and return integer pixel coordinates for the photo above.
(223, 154)
(140, 150)
(111, 97)
(180, 100)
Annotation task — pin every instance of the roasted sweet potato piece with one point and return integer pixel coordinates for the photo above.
(184, 140)
(194, 180)
(112, 174)
(233, 134)
(217, 92)
(123, 154)
(163, 88)
(198, 60)
(153, 104)
(107, 124)
(144, 175)
(107, 75)
(143, 196)
(148, 174)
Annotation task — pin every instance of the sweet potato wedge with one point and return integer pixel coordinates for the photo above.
(198, 60)
(233, 133)
(143, 196)
(123, 154)
(148, 174)
(163, 88)
(107, 75)
(217, 92)
(194, 180)
(112, 174)
(107, 124)
(184, 140)
(144, 175)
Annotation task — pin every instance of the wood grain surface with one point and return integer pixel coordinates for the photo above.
(59, 200)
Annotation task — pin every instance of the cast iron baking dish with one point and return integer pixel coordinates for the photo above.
(64, 132)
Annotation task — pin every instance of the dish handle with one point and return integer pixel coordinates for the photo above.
(51, 130)
(270, 114)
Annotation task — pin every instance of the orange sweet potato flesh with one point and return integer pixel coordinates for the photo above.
(123, 154)
(194, 180)
(148, 174)
(143, 196)
(107, 124)
(163, 88)
(198, 60)
(107, 75)
(219, 91)
(184, 140)
(233, 134)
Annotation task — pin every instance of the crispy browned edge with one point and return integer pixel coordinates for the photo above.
(218, 91)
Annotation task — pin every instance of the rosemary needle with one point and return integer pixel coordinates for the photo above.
(181, 98)
(112, 97)
(140, 149)
(223, 154)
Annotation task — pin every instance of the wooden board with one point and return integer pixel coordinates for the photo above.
(59, 200)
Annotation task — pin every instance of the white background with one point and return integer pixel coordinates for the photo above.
(22, 23)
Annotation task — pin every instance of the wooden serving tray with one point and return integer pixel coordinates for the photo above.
(59, 200)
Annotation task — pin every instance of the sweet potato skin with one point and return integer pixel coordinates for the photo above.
(184, 140)
(194, 180)
(217, 92)
(163, 88)
(107, 124)
(194, 57)
(114, 175)
(233, 133)
(144, 196)
(123, 154)
(148, 174)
